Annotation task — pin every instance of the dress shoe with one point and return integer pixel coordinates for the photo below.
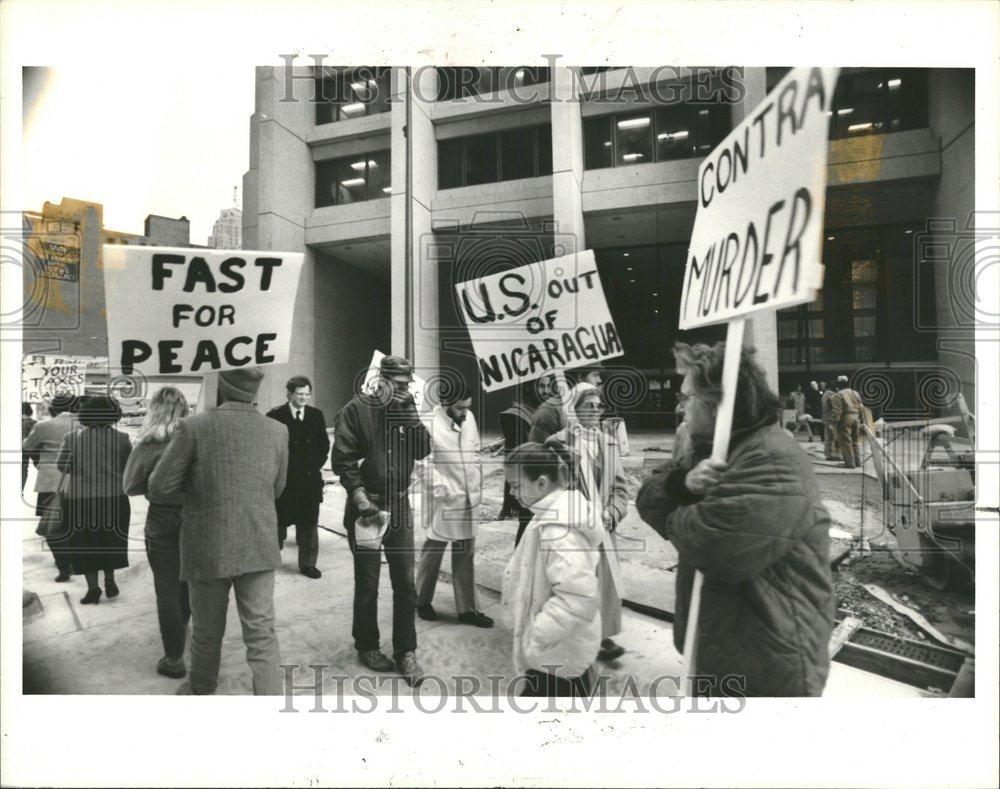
(375, 660)
(475, 618)
(175, 669)
(409, 669)
(111, 588)
(92, 596)
(311, 572)
(427, 612)
(610, 651)
(64, 575)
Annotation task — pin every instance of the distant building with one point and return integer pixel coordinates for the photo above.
(227, 232)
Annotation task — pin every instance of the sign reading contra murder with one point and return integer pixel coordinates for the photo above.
(195, 311)
(757, 235)
(537, 319)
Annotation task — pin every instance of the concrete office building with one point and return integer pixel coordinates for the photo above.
(396, 187)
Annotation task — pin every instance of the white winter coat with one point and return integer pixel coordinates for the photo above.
(452, 479)
(550, 594)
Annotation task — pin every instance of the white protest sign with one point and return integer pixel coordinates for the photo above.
(757, 235)
(757, 239)
(539, 318)
(44, 377)
(174, 311)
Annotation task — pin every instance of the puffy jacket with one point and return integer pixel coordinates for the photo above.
(760, 536)
(550, 595)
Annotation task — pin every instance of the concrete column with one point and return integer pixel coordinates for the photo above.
(420, 315)
(567, 160)
(761, 328)
(278, 196)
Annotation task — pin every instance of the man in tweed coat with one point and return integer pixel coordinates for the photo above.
(230, 464)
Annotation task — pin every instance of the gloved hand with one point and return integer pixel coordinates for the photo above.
(370, 511)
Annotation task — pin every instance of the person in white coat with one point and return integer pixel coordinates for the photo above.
(551, 599)
(450, 504)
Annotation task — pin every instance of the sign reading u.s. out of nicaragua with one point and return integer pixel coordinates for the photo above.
(537, 319)
(757, 234)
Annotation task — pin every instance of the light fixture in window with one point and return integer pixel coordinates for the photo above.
(894, 83)
(656, 293)
(634, 123)
(631, 281)
(629, 268)
(350, 109)
(359, 86)
(908, 232)
(656, 312)
(845, 111)
(830, 238)
(607, 143)
(631, 157)
(625, 254)
(357, 166)
(387, 190)
(859, 127)
(519, 75)
(679, 135)
(703, 112)
(353, 182)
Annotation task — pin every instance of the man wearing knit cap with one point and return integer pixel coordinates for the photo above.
(383, 433)
(230, 465)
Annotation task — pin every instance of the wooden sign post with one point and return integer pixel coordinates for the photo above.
(757, 240)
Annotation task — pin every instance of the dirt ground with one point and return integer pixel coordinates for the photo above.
(855, 508)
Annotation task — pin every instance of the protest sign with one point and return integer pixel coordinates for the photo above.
(757, 234)
(175, 311)
(538, 318)
(757, 239)
(44, 377)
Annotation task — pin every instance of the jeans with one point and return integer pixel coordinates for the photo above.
(255, 602)
(163, 548)
(399, 553)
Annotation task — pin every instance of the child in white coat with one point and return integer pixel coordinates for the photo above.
(550, 589)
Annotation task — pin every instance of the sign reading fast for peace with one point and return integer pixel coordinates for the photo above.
(757, 234)
(183, 311)
(538, 318)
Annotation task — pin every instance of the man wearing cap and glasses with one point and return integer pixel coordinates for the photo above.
(383, 433)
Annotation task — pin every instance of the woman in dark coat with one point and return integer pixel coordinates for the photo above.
(756, 527)
(97, 509)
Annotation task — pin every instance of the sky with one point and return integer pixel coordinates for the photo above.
(162, 139)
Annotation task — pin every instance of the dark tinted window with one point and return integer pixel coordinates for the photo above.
(353, 179)
(597, 143)
(501, 156)
(342, 94)
(877, 101)
(458, 82)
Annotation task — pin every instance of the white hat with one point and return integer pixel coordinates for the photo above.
(370, 535)
(842, 379)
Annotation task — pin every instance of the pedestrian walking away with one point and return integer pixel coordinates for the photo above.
(163, 527)
(229, 527)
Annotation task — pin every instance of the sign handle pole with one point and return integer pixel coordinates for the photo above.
(720, 450)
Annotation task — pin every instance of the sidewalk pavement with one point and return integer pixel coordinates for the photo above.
(112, 648)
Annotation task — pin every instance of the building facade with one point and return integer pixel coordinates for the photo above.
(398, 184)
(227, 232)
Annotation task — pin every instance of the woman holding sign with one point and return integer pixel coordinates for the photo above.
(755, 526)
(599, 460)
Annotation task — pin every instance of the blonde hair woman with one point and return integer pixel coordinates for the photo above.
(163, 523)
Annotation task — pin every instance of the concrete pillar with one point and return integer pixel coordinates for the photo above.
(761, 328)
(278, 196)
(417, 313)
(567, 161)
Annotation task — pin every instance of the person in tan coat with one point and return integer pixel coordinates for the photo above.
(230, 464)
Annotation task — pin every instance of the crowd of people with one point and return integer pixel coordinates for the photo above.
(835, 415)
(224, 486)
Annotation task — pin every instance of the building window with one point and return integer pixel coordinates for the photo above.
(865, 312)
(352, 179)
(342, 94)
(873, 100)
(680, 131)
(499, 156)
(459, 82)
